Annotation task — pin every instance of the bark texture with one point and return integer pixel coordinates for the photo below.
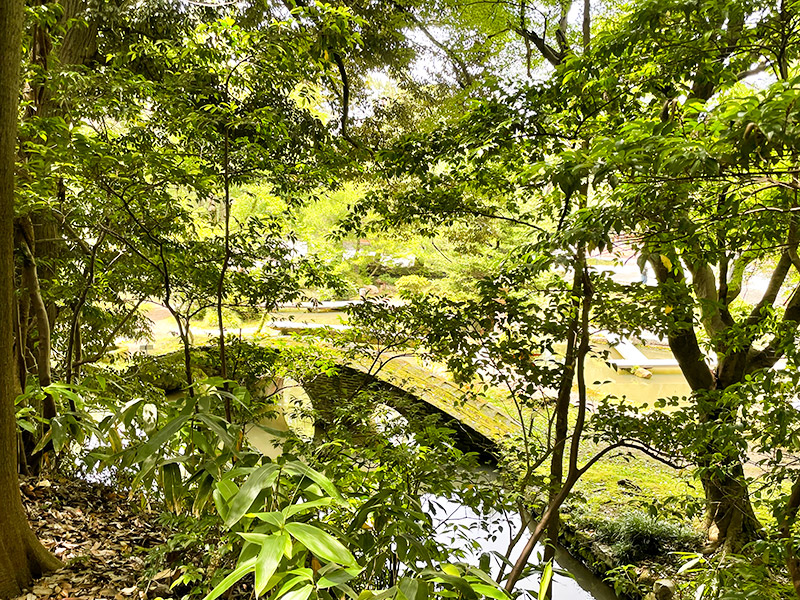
(22, 557)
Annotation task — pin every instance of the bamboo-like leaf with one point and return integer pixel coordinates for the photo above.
(276, 518)
(321, 543)
(268, 560)
(234, 576)
(225, 490)
(413, 589)
(172, 484)
(262, 477)
(299, 468)
(293, 582)
(218, 426)
(490, 591)
(204, 491)
(114, 440)
(544, 582)
(164, 434)
(301, 594)
(296, 508)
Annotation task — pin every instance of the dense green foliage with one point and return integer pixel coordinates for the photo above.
(212, 159)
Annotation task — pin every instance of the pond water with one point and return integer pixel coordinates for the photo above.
(462, 528)
(603, 380)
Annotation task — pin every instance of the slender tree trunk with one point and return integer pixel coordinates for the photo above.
(22, 557)
(574, 472)
(787, 523)
(223, 355)
(562, 421)
(30, 281)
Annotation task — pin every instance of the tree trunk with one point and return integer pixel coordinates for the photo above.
(786, 533)
(730, 519)
(562, 420)
(22, 557)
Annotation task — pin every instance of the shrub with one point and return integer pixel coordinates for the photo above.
(637, 534)
(412, 284)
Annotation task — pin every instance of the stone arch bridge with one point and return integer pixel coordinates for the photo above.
(412, 389)
(400, 383)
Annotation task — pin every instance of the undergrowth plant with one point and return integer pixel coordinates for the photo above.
(637, 534)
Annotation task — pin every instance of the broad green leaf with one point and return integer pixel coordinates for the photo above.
(321, 543)
(218, 426)
(165, 433)
(544, 582)
(298, 468)
(114, 440)
(462, 586)
(234, 576)
(370, 595)
(204, 491)
(268, 560)
(296, 508)
(293, 582)
(225, 490)
(254, 538)
(263, 476)
(333, 575)
(413, 589)
(173, 486)
(302, 594)
(276, 518)
(490, 591)
(60, 434)
(451, 570)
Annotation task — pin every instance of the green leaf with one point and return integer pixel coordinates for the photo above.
(459, 583)
(335, 576)
(234, 576)
(268, 560)
(276, 518)
(490, 591)
(204, 491)
(298, 468)
(296, 508)
(218, 426)
(302, 594)
(225, 490)
(173, 486)
(262, 477)
(413, 589)
(303, 576)
(160, 438)
(321, 544)
(544, 582)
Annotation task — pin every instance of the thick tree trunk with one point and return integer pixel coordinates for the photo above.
(22, 557)
(730, 519)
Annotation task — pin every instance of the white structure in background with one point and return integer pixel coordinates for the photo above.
(296, 248)
(399, 261)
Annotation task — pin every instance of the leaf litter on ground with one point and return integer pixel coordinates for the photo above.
(101, 537)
